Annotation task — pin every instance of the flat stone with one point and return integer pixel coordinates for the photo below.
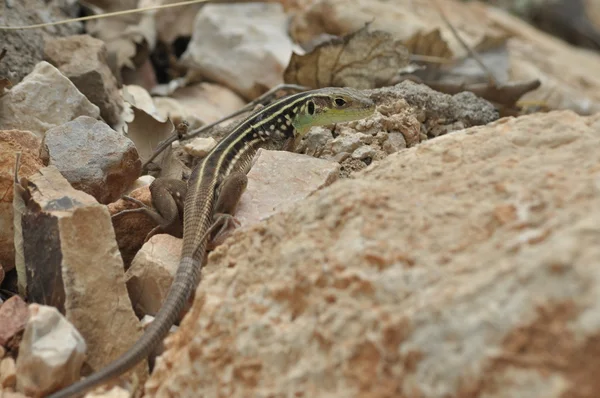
(83, 59)
(26, 105)
(51, 353)
(242, 46)
(13, 317)
(92, 157)
(274, 183)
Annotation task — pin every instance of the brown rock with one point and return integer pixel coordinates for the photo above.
(13, 317)
(402, 281)
(72, 263)
(28, 144)
(131, 229)
(26, 105)
(82, 59)
(92, 157)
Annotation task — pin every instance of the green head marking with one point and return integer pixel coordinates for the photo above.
(332, 105)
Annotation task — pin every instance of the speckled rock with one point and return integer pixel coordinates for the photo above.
(465, 263)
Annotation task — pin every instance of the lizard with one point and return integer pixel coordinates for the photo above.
(276, 126)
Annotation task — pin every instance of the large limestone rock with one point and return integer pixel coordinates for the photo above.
(465, 266)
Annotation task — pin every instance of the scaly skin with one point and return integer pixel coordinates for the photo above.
(279, 125)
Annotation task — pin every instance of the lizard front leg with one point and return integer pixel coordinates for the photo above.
(167, 201)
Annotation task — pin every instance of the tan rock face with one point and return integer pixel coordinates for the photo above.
(26, 105)
(83, 59)
(73, 263)
(465, 263)
(12, 141)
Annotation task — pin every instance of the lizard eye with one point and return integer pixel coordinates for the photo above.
(340, 102)
(311, 108)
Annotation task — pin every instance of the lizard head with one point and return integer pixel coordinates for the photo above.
(332, 105)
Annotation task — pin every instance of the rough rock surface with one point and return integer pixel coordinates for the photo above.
(73, 263)
(83, 59)
(24, 47)
(92, 157)
(465, 266)
(27, 105)
(28, 144)
(406, 114)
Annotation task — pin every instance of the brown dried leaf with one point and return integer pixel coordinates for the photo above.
(144, 126)
(362, 60)
(430, 43)
(4, 82)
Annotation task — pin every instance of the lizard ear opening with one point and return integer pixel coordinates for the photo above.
(311, 108)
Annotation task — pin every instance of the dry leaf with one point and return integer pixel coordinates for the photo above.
(4, 82)
(430, 43)
(141, 121)
(362, 60)
(147, 132)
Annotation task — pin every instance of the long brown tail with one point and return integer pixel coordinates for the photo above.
(189, 270)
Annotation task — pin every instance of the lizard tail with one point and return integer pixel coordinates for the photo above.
(189, 270)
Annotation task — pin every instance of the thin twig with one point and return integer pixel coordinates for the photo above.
(471, 52)
(108, 14)
(266, 97)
